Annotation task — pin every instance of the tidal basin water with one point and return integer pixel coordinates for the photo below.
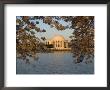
(58, 62)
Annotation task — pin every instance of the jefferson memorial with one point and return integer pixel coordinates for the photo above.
(58, 42)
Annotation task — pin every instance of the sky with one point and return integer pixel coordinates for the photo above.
(51, 32)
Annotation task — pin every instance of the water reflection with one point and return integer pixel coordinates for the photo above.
(58, 62)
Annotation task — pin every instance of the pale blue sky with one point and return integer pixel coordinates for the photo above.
(51, 32)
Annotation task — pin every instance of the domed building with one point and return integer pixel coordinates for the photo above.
(58, 42)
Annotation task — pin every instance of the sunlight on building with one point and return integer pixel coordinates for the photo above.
(58, 42)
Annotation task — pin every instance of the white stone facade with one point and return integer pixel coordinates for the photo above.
(58, 42)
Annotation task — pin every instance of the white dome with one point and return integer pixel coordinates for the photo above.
(58, 38)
